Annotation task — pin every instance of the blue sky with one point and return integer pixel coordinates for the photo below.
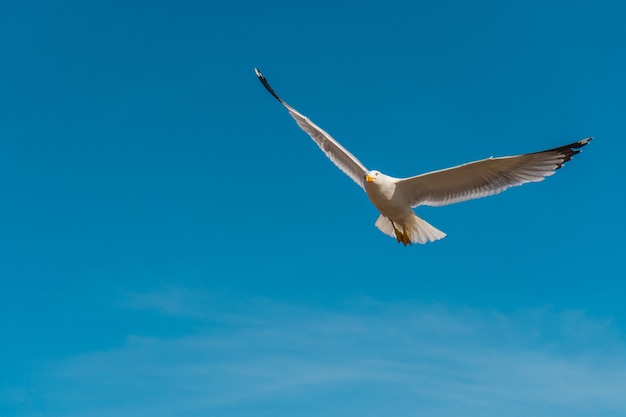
(172, 244)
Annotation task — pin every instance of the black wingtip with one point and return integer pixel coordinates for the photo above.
(572, 149)
(580, 143)
(267, 85)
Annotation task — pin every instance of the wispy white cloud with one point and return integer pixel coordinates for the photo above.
(365, 358)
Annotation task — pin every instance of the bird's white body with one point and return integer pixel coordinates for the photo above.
(395, 197)
(383, 194)
(395, 209)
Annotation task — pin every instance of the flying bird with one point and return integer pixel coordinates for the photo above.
(395, 198)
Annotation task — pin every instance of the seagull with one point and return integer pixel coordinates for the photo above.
(395, 198)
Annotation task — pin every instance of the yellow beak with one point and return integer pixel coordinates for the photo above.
(369, 178)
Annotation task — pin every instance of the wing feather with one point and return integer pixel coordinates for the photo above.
(486, 177)
(339, 155)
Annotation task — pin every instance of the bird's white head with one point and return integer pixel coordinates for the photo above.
(372, 176)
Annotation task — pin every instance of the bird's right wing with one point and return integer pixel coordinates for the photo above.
(487, 177)
(339, 155)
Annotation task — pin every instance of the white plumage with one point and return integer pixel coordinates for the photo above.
(395, 197)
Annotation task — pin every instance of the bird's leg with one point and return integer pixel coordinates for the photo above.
(405, 237)
(399, 234)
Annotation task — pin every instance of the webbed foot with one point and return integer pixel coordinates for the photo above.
(405, 237)
(399, 236)
(402, 237)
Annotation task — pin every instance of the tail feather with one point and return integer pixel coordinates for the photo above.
(418, 230)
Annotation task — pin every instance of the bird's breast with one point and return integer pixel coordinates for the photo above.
(386, 200)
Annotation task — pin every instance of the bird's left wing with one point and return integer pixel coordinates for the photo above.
(339, 155)
(484, 178)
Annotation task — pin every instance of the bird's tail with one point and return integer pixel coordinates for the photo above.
(416, 229)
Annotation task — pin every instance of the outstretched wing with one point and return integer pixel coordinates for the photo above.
(339, 155)
(484, 178)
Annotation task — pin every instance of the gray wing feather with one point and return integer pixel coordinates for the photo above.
(339, 155)
(486, 177)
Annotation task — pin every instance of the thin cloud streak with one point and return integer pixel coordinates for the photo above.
(373, 358)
